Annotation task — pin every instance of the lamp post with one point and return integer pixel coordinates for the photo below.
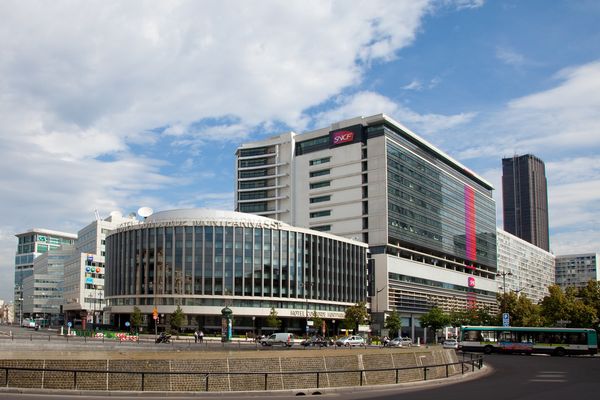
(306, 285)
(253, 329)
(374, 311)
(20, 311)
(503, 274)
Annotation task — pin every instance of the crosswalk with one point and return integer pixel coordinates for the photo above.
(550, 377)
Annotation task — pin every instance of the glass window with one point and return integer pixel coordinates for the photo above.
(320, 199)
(318, 214)
(321, 184)
(320, 172)
(319, 161)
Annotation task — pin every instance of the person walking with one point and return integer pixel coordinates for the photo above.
(201, 336)
(196, 336)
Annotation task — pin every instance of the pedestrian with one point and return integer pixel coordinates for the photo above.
(201, 336)
(196, 336)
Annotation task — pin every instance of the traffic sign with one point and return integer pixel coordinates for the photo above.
(505, 319)
(155, 313)
(127, 324)
(69, 324)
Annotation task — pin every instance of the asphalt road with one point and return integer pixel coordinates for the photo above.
(515, 377)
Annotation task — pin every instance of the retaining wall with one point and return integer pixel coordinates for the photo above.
(299, 362)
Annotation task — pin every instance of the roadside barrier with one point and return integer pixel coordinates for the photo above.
(201, 381)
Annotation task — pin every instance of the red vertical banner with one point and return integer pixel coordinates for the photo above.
(470, 232)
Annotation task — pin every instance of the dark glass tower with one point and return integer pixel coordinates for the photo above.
(525, 199)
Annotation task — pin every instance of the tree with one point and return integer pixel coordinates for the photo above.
(273, 320)
(177, 319)
(563, 308)
(136, 318)
(356, 315)
(590, 295)
(394, 324)
(435, 319)
(521, 309)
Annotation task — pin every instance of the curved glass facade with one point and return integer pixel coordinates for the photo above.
(204, 262)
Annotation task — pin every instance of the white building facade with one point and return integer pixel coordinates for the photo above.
(84, 272)
(428, 220)
(576, 270)
(523, 267)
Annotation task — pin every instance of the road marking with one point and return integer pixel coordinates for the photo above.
(550, 377)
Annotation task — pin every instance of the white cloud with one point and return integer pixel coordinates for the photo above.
(417, 85)
(414, 85)
(83, 84)
(510, 57)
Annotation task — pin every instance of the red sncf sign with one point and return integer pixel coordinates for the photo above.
(342, 137)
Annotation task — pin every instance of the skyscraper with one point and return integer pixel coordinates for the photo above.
(525, 199)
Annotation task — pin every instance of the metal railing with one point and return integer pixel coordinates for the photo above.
(206, 378)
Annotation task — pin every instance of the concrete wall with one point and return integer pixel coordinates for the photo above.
(267, 362)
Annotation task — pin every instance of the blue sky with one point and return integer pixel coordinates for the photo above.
(142, 103)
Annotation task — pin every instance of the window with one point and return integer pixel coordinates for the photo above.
(319, 161)
(320, 199)
(322, 228)
(321, 184)
(317, 214)
(320, 172)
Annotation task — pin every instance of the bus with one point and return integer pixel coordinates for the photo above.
(528, 340)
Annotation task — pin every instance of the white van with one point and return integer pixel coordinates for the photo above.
(280, 338)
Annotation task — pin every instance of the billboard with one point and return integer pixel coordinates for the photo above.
(347, 135)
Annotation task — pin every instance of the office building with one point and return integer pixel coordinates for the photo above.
(203, 260)
(428, 220)
(576, 270)
(523, 268)
(84, 272)
(31, 244)
(525, 199)
(42, 290)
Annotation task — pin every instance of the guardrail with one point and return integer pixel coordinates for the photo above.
(262, 378)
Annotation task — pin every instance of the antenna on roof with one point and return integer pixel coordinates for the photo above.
(97, 215)
(145, 212)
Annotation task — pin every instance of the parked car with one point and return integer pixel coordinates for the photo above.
(350, 341)
(450, 344)
(280, 338)
(400, 342)
(317, 341)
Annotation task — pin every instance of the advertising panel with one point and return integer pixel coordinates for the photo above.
(347, 135)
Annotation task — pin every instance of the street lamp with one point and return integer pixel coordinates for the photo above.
(306, 285)
(503, 274)
(374, 311)
(253, 321)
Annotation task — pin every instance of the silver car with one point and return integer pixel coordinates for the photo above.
(400, 342)
(350, 341)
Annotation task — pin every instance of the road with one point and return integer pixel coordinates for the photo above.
(514, 377)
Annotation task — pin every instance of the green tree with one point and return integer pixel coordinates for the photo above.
(136, 318)
(435, 319)
(176, 320)
(590, 295)
(273, 320)
(356, 315)
(394, 324)
(522, 311)
(562, 308)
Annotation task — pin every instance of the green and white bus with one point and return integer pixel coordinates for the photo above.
(554, 341)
